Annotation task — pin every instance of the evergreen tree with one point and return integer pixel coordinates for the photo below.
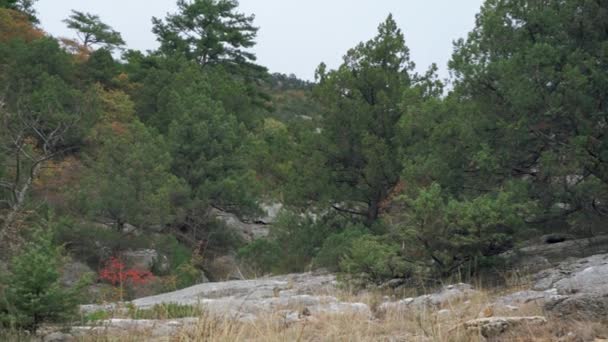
(210, 32)
(361, 103)
(534, 75)
(31, 293)
(24, 6)
(92, 31)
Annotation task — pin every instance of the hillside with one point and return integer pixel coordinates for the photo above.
(136, 183)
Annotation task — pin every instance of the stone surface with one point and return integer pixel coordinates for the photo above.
(144, 259)
(147, 328)
(58, 337)
(447, 295)
(580, 287)
(224, 268)
(575, 276)
(249, 228)
(73, 272)
(247, 299)
(494, 326)
(543, 254)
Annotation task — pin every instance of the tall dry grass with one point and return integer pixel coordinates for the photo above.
(441, 324)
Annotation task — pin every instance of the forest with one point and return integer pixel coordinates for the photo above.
(381, 172)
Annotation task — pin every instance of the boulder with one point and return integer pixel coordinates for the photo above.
(145, 259)
(495, 326)
(224, 268)
(73, 272)
(147, 329)
(582, 306)
(58, 336)
(580, 287)
(249, 231)
(553, 249)
(447, 295)
(575, 276)
(247, 299)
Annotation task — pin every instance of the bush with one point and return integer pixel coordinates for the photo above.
(263, 255)
(454, 235)
(187, 274)
(374, 259)
(32, 293)
(177, 253)
(166, 311)
(337, 246)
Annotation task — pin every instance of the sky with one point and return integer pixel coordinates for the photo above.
(296, 35)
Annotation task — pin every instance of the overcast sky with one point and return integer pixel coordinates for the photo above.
(296, 35)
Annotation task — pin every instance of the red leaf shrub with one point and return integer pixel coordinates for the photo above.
(116, 273)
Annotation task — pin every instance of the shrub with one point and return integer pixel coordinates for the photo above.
(116, 273)
(374, 259)
(263, 255)
(456, 234)
(32, 293)
(187, 274)
(337, 246)
(166, 311)
(177, 253)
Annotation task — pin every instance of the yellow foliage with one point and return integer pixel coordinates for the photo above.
(16, 25)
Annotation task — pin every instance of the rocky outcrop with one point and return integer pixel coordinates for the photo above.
(447, 295)
(553, 249)
(495, 326)
(73, 272)
(581, 286)
(577, 289)
(145, 259)
(248, 299)
(252, 228)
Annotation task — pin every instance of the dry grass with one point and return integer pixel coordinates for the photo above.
(442, 324)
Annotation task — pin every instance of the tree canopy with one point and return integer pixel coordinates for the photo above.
(93, 32)
(209, 32)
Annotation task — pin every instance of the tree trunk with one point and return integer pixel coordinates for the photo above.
(20, 197)
(373, 211)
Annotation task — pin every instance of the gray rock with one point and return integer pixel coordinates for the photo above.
(581, 275)
(582, 306)
(525, 297)
(58, 337)
(544, 255)
(247, 299)
(447, 295)
(73, 272)
(145, 259)
(249, 231)
(494, 326)
(580, 288)
(147, 328)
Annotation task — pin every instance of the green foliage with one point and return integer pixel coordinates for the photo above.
(166, 311)
(32, 294)
(374, 258)
(549, 126)
(208, 32)
(24, 6)
(99, 315)
(454, 234)
(129, 178)
(298, 241)
(187, 274)
(263, 256)
(177, 253)
(92, 31)
(358, 132)
(337, 246)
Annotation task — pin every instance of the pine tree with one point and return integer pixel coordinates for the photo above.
(209, 32)
(32, 293)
